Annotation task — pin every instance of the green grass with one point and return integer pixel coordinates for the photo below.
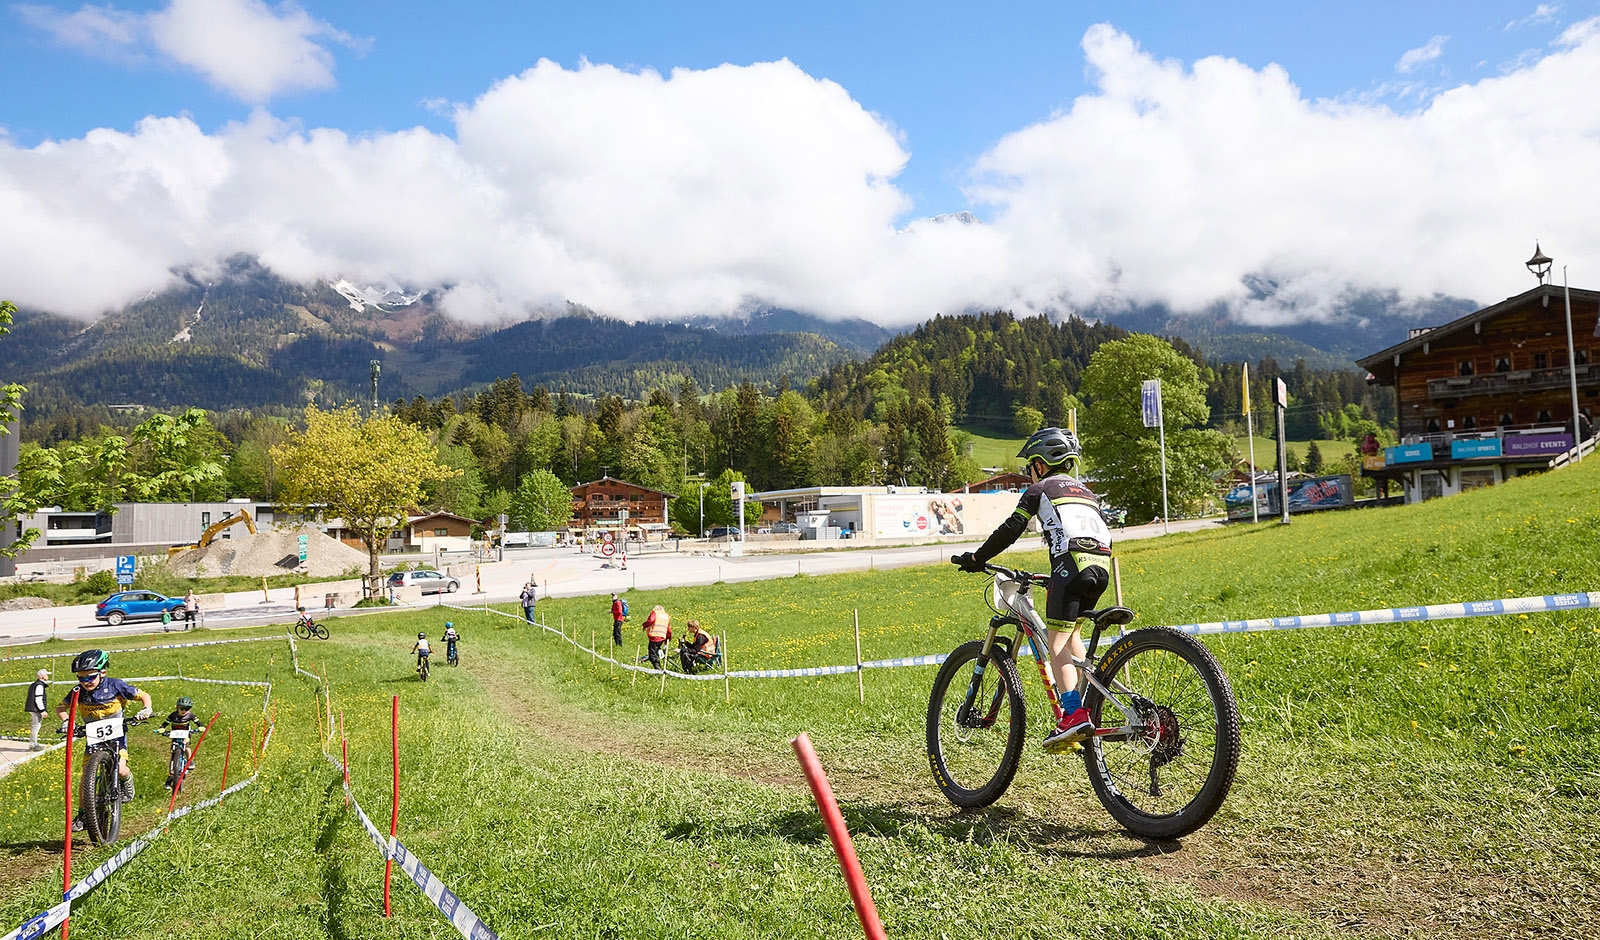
(1433, 779)
(993, 446)
(1267, 450)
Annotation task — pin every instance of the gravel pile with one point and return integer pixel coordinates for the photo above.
(269, 553)
(26, 603)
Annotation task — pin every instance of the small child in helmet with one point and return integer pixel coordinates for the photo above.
(1080, 563)
(421, 649)
(183, 718)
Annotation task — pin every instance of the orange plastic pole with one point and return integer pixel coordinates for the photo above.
(173, 803)
(394, 811)
(860, 894)
(66, 850)
(252, 747)
(225, 755)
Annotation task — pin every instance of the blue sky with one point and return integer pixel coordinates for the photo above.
(998, 109)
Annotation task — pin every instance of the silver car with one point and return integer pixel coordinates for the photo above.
(430, 581)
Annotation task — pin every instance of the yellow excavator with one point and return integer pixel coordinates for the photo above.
(215, 528)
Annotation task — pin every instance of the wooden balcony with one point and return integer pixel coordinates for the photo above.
(1504, 383)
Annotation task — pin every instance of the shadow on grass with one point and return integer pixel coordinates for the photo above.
(48, 846)
(334, 886)
(989, 826)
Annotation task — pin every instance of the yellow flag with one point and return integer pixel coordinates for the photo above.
(1246, 382)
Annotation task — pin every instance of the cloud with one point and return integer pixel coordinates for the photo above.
(248, 49)
(642, 194)
(1543, 13)
(1421, 55)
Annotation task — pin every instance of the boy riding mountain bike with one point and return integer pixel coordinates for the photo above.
(183, 718)
(100, 697)
(1080, 561)
(450, 639)
(422, 650)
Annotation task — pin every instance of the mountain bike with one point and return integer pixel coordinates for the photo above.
(1166, 745)
(306, 628)
(179, 758)
(451, 654)
(422, 667)
(99, 790)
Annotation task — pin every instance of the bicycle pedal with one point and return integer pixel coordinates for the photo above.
(1062, 747)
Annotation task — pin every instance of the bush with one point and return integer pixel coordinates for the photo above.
(101, 583)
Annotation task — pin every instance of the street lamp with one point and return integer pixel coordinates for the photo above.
(703, 509)
(1539, 264)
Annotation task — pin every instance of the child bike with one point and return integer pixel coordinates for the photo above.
(305, 628)
(99, 790)
(179, 758)
(1166, 745)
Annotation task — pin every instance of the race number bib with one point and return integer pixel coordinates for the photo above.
(180, 734)
(106, 729)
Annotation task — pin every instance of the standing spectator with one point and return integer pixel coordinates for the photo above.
(529, 595)
(619, 613)
(658, 630)
(191, 607)
(35, 706)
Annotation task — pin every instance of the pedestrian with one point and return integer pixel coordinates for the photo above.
(658, 630)
(34, 705)
(191, 607)
(529, 595)
(619, 613)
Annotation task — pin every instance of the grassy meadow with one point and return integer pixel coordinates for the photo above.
(1425, 779)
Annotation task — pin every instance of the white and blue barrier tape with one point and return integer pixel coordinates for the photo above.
(436, 891)
(1511, 605)
(142, 649)
(1547, 603)
(42, 923)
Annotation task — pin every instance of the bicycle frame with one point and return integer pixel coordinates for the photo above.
(1015, 598)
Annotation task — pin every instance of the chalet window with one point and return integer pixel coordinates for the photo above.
(1502, 363)
(1470, 424)
(1433, 425)
(1541, 360)
(1464, 367)
(1581, 356)
(1544, 416)
(1506, 420)
(441, 532)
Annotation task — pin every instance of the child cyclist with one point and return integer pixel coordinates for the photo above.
(182, 718)
(1080, 559)
(100, 697)
(450, 639)
(421, 649)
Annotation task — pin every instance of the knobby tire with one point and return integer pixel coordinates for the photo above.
(973, 766)
(100, 797)
(1169, 779)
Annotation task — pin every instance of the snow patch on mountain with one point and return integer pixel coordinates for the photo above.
(361, 297)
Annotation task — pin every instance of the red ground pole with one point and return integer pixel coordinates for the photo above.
(860, 894)
(394, 812)
(66, 849)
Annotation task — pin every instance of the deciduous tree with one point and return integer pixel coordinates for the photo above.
(541, 503)
(367, 473)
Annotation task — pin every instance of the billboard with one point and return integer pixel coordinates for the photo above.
(1409, 453)
(1537, 445)
(1306, 494)
(918, 516)
(1482, 447)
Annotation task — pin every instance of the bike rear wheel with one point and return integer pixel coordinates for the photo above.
(1172, 774)
(100, 797)
(974, 753)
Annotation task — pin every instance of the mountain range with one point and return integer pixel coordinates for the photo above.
(247, 338)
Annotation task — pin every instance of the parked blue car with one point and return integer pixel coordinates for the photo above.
(138, 605)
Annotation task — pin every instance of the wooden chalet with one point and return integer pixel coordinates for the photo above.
(599, 505)
(1488, 397)
(1008, 482)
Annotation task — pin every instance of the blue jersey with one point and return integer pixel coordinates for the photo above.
(104, 700)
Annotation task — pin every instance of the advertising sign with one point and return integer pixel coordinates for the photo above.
(1319, 493)
(1408, 453)
(1372, 462)
(126, 566)
(303, 540)
(1483, 447)
(913, 516)
(1537, 445)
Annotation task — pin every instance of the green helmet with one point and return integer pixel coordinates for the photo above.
(1055, 447)
(185, 703)
(91, 661)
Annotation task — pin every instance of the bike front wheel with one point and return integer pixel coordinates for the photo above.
(100, 797)
(1171, 771)
(974, 749)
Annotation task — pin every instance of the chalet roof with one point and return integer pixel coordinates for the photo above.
(1006, 480)
(611, 479)
(440, 515)
(1382, 364)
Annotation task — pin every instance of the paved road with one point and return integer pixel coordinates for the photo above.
(560, 572)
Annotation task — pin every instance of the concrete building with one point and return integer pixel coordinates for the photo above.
(886, 515)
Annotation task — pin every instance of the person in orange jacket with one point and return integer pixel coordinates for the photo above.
(658, 630)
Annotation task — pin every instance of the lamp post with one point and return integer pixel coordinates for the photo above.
(703, 509)
(1539, 265)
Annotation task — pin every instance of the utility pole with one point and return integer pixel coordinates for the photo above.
(376, 367)
(10, 442)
